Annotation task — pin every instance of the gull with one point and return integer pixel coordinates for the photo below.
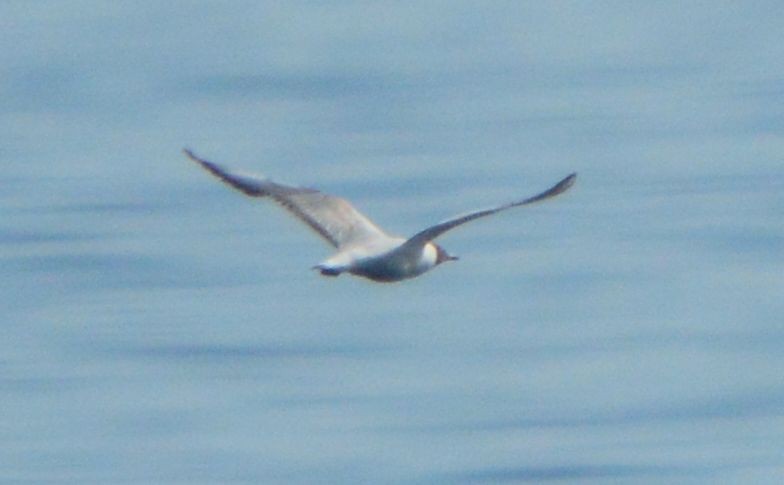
(363, 248)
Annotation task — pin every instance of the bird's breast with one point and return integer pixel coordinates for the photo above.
(428, 257)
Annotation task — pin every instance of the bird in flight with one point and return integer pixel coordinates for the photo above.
(363, 248)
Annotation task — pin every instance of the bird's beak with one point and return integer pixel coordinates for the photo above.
(452, 258)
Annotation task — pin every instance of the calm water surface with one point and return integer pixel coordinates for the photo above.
(158, 328)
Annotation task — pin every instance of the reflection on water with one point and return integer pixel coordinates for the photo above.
(160, 328)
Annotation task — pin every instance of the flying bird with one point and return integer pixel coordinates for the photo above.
(363, 248)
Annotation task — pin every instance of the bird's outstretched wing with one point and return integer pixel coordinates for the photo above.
(333, 218)
(426, 235)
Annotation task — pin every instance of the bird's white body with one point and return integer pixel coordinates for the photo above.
(363, 249)
(382, 261)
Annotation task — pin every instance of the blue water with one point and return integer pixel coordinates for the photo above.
(160, 328)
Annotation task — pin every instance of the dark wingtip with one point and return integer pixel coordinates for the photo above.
(211, 167)
(189, 153)
(564, 184)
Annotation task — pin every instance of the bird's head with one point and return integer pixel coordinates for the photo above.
(442, 255)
